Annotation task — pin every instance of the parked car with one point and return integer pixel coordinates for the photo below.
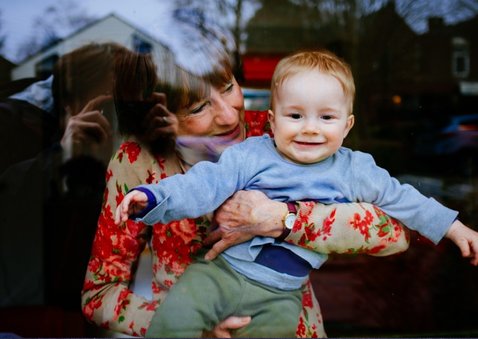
(458, 136)
(256, 99)
(455, 144)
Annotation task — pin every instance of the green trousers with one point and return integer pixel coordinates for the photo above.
(210, 291)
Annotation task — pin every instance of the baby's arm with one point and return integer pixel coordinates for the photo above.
(466, 239)
(403, 202)
(417, 212)
(134, 202)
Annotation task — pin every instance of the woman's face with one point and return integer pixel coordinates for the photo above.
(221, 114)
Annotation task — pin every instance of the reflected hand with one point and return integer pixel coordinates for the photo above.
(87, 128)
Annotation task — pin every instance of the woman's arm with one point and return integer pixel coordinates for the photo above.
(337, 228)
(348, 228)
(106, 298)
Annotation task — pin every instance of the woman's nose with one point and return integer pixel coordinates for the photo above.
(226, 114)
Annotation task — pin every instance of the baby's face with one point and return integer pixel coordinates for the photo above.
(311, 117)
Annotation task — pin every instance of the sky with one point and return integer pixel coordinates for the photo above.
(17, 16)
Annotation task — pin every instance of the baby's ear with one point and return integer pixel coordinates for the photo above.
(270, 116)
(350, 124)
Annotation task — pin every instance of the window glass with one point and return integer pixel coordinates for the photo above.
(415, 68)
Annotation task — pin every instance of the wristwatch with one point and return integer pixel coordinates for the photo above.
(288, 221)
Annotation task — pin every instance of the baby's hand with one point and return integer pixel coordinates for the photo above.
(133, 203)
(466, 239)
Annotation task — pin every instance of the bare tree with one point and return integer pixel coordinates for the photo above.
(416, 12)
(56, 22)
(220, 22)
(411, 10)
(330, 19)
(2, 36)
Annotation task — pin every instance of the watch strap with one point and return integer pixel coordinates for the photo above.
(291, 208)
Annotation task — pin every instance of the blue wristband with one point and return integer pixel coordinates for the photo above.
(151, 202)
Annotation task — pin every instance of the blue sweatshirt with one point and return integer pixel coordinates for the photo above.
(255, 164)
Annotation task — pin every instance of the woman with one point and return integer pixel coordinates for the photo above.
(211, 106)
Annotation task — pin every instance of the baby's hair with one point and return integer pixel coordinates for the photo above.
(323, 61)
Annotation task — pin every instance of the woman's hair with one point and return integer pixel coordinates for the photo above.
(322, 61)
(221, 71)
(76, 73)
(137, 76)
(182, 88)
(134, 82)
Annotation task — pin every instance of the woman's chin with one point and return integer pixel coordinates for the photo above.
(234, 135)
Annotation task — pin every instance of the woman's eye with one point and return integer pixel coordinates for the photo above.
(198, 109)
(228, 87)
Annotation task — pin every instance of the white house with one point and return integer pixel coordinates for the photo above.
(108, 29)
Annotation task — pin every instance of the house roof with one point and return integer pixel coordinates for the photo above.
(90, 25)
(4, 61)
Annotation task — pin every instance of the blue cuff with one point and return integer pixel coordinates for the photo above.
(151, 202)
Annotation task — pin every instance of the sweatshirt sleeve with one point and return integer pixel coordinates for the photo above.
(199, 191)
(401, 201)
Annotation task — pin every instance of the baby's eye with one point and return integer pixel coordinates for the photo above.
(295, 116)
(327, 117)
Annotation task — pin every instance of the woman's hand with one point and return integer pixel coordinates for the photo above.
(243, 216)
(159, 121)
(223, 329)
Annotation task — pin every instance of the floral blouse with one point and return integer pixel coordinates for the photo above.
(107, 299)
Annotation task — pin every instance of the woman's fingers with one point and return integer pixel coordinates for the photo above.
(223, 329)
(159, 122)
(97, 103)
(91, 123)
(160, 98)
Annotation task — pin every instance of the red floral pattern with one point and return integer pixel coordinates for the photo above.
(362, 224)
(131, 149)
(310, 229)
(257, 123)
(372, 232)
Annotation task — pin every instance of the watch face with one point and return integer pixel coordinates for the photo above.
(290, 220)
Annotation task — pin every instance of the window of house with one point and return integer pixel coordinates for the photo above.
(141, 45)
(44, 67)
(460, 58)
